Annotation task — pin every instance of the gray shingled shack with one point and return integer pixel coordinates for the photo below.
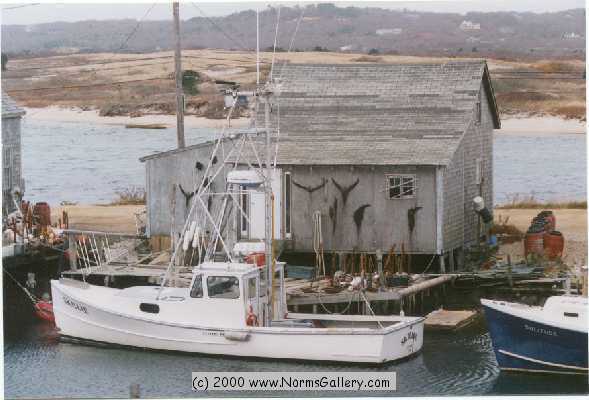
(387, 154)
(11, 152)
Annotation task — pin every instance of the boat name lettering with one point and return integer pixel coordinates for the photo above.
(540, 330)
(410, 336)
(74, 305)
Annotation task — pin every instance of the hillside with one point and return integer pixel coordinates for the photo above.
(506, 35)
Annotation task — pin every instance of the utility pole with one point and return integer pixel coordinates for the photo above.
(178, 69)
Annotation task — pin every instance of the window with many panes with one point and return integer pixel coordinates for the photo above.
(401, 186)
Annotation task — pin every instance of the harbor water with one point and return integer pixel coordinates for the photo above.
(37, 365)
(88, 163)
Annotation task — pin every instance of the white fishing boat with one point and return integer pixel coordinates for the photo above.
(231, 307)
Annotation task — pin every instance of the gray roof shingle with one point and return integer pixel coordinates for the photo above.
(9, 108)
(376, 114)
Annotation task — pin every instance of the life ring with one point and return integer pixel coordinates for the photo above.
(251, 319)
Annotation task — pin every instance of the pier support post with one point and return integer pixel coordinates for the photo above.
(451, 260)
(379, 266)
(442, 264)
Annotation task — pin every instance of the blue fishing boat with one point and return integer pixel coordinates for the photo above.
(550, 339)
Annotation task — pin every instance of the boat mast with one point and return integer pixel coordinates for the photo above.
(178, 71)
(268, 212)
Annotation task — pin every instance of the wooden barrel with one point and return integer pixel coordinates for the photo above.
(553, 245)
(534, 243)
(43, 213)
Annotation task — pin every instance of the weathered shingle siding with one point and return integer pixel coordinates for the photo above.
(477, 143)
(161, 174)
(454, 201)
(11, 147)
(384, 222)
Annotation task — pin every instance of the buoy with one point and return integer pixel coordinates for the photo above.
(44, 310)
(251, 319)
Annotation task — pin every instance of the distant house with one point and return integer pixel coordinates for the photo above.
(571, 35)
(11, 153)
(389, 156)
(470, 26)
(394, 31)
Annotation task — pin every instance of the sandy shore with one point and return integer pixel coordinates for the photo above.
(572, 224)
(59, 114)
(540, 126)
(512, 125)
(120, 219)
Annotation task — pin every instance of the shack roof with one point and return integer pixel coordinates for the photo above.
(9, 108)
(376, 114)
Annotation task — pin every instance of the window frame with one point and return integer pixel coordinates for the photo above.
(236, 280)
(202, 289)
(401, 177)
(287, 201)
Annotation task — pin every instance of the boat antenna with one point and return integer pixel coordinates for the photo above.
(178, 73)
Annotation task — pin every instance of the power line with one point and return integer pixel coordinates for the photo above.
(136, 27)
(235, 41)
(20, 6)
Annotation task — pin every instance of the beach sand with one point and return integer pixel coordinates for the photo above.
(572, 223)
(60, 114)
(541, 126)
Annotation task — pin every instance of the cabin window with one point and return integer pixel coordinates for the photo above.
(251, 288)
(196, 291)
(401, 186)
(223, 287)
(149, 308)
(571, 314)
(287, 204)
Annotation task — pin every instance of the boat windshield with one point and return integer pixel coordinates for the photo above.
(223, 287)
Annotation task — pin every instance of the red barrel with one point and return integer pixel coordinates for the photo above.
(43, 213)
(534, 243)
(553, 245)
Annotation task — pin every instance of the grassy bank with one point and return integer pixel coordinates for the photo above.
(532, 203)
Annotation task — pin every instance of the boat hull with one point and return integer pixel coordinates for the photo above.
(78, 319)
(522, 344)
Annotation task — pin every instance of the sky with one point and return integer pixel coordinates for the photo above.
(18, 13)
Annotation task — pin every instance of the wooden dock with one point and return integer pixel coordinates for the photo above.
(446, 320)
(304, 292)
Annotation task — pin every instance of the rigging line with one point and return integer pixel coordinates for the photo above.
(294, 35)
(275, 41)
(235, 41)
(292, 40)
(134, 31)
(21, 6)
(199, 189)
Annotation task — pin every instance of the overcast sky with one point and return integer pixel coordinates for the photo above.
(76, 11)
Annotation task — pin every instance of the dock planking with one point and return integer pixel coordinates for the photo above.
(447, 320)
